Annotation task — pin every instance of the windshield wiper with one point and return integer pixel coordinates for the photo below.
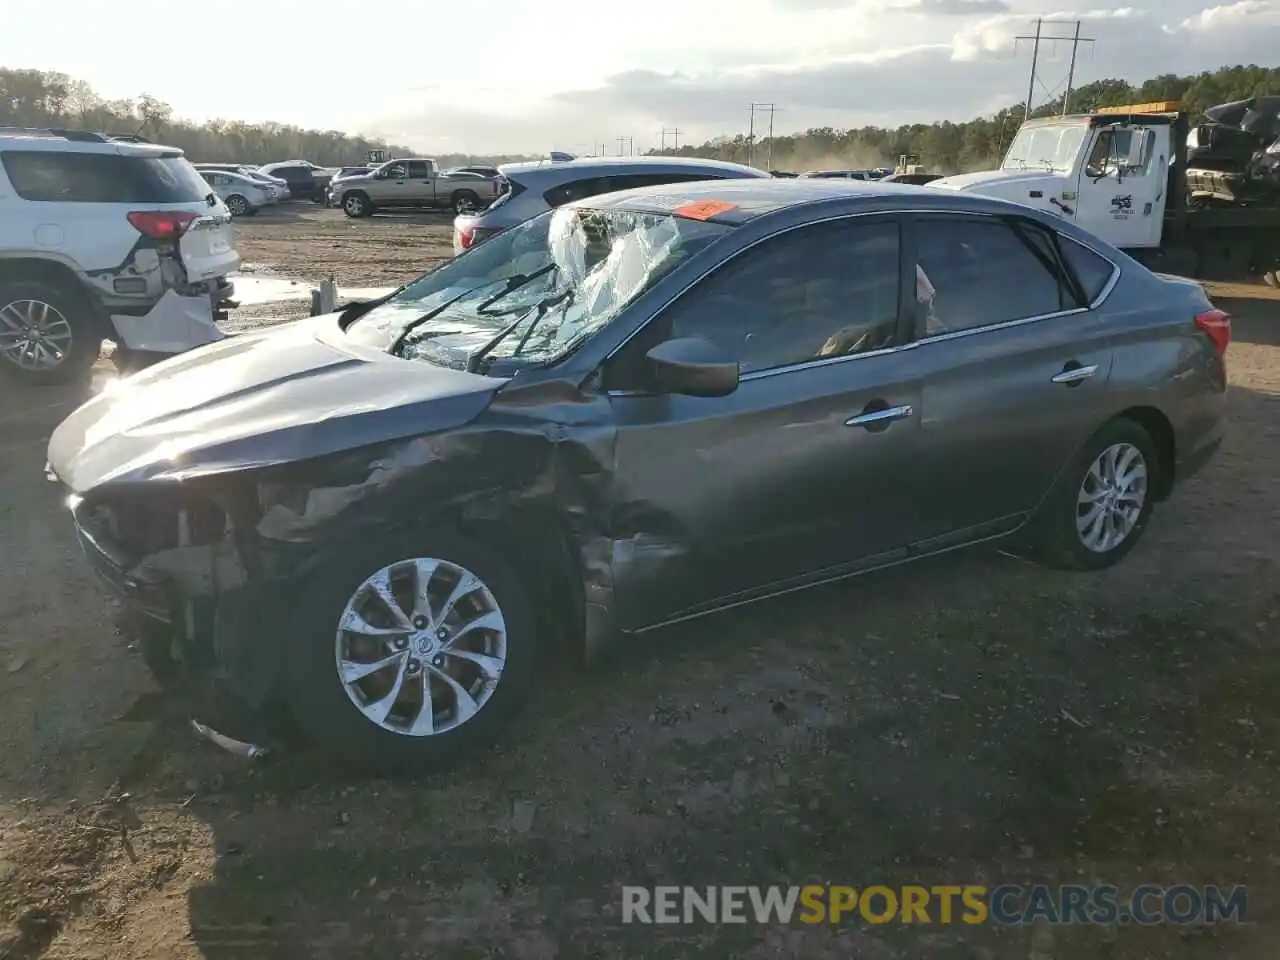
(432, 314)
(539, 310)
(514, 282)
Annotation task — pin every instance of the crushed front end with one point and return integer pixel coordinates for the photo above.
(196, 602)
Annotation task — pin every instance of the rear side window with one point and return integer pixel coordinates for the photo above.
(978, 272)
(102, 178)
(1093, 272)
(575, 190)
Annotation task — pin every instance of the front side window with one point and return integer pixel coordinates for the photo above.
(532, 294)
(394, 171)
(973, 272)
(818, 292)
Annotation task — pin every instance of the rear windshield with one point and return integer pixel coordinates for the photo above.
(102, 177)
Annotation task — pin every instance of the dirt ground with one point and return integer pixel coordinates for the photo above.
(973, 719)
(311, 242)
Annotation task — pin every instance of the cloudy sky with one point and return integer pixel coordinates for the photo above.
(510, 75)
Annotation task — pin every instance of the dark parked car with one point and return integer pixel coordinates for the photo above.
(914, 179)
(306, 180)
(636, 409)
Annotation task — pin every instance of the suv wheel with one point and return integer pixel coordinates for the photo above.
(405, 656)
(356, 205)
(1100, 506)
(46, 335)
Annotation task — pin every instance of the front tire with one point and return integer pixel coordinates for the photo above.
(1100, 506)
(47, 335)
(237, 205)
(407, 655)
(356, 205)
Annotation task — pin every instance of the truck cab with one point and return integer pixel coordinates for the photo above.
(1109, 171)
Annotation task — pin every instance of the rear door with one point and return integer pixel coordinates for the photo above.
(420, 187)
(1015, 365)
(809, 468)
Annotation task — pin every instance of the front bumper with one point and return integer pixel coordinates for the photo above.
(217, 633)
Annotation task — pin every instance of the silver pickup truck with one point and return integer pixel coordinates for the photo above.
(414, 183)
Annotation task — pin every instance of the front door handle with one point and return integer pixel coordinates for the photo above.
(881, 416)
(1073, 373)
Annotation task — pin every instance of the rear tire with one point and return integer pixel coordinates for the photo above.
(332, 712)
(463, 201)
(63, 321)
(1061, 535)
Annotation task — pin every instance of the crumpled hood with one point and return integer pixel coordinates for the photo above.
(277, 396)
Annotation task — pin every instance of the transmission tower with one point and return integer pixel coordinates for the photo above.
(1039, 37)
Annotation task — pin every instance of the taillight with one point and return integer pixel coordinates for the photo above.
(1217, 327)
(162, 224)
(468, 237)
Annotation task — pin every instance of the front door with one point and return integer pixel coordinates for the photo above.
(1123, 185)
(391, 188)
(1014, 372)
(808, 467)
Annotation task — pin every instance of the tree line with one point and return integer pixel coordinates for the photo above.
(976, 144)
(36, 98)
(39, 98)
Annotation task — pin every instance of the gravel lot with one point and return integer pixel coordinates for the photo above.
(969, 720)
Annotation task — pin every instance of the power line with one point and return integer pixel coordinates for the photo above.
(626, 146)
(1037, 38)
(674, 133)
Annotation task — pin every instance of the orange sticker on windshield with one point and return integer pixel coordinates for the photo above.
(704, 209)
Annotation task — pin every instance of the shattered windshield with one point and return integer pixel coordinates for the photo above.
(1053, 148)
(532, 294)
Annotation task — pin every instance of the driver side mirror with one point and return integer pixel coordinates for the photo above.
(693, 367)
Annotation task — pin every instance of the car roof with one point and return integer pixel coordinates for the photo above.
(552, 172)
(737, 201)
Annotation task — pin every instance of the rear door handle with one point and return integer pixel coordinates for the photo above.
(884, 415)
(1071, 375)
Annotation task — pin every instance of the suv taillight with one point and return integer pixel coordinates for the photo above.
(1217, 326)
(162, 224)
(471, 236)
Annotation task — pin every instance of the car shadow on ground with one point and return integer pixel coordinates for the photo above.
(1252, 321)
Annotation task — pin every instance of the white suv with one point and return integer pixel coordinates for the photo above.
(101, 240)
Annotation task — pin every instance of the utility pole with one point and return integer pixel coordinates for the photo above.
(1037, 38)
(675, 134)
(751, 137)
(1071, 70)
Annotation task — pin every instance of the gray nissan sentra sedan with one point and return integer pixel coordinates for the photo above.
(633, 410)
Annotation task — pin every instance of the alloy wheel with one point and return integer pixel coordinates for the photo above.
(34, 335)
(1111, 498)
(421, 646)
